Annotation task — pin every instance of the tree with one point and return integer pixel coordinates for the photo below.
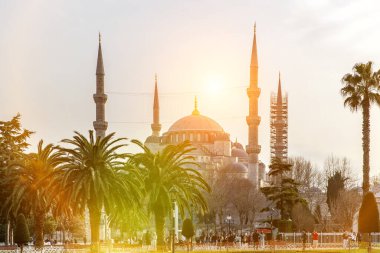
(361, 89)
(310, 181)
(334, 164)
(21, 235)
(368, 214)
(344, 207)
(50, 226)
(257, 202)
(335, 185)
(30, 182)
(217, 198)
(93, 175)
(302, 217)
(283, 191)
(188, 230)
(240, 193)
(169, 177)
(318, 215)
(13, 142)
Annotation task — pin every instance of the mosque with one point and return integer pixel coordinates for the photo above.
(214, 150)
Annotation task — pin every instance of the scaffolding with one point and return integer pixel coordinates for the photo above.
(279, 126)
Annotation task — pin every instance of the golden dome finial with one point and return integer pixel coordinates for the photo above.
(195, 112)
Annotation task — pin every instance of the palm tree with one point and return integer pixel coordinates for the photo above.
(29, 182)
(169, 177)
(93, 176)
(360, 91)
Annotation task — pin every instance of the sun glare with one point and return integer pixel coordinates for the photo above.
(213, 85)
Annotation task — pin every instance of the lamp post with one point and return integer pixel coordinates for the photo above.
(229, 218)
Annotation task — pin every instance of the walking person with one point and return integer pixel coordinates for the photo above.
(262, 240)
(255, 238)
(345, 239)
(304, 239)
(315, 239)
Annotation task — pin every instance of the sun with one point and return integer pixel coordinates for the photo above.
(213, 85)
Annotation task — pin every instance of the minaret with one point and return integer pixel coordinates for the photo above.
(156, 126)
(253, 120)
(279, 123)
(100, 125)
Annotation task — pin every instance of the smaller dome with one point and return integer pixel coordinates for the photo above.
(153, 139)
(235, 168)
(237, 145)
(237, 152)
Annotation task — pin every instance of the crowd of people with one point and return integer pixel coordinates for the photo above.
(255, 238)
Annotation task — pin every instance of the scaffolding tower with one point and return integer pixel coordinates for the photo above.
(279, 125)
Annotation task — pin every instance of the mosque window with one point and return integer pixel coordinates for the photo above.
(176, 137)
(183, 137)
(199, 137)
(206, 137)
(191, 137)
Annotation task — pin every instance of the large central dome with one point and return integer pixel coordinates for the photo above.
(196, 122)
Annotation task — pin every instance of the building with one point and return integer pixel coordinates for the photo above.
(214, 150)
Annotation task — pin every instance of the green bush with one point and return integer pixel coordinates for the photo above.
(21, 233)
(369, 215)
(188, 229)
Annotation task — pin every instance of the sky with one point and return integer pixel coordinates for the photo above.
(48, 53)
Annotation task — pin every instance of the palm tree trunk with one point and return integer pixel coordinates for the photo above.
(366, 146)
(39, 228)
(159, 218)
(95, 223)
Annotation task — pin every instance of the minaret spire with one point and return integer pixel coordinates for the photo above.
(99, 65)
(100, 125)
(254, 62)
(279, 93)
(156, 126)
(253, 119)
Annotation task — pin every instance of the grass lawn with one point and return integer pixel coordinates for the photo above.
(288, 251)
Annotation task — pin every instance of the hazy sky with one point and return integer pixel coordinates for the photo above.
(48, 55)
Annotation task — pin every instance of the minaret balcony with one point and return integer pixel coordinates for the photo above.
(101, 125)
(253, 149)
(253, 92)
(156, 127)
(253, 120)
(100, 98)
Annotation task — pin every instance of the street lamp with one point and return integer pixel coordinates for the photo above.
(229, 218)
(173, 239)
